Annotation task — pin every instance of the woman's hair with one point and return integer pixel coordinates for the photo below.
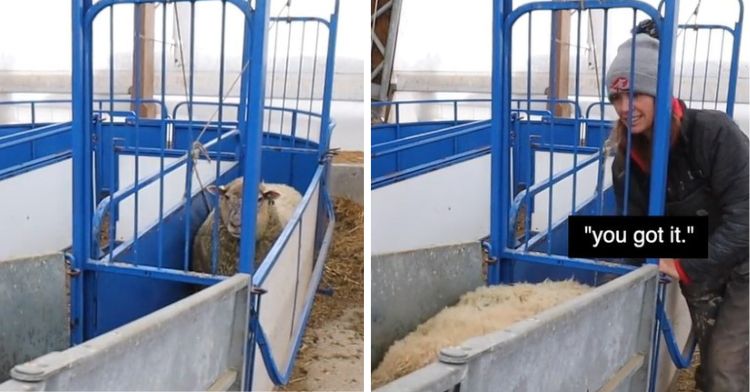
(641, 144)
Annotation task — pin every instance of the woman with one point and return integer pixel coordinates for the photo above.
(707, 175)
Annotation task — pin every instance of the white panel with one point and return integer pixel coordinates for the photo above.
(36, 209)
(278, 305)
(148, 197)
(276, 311)
(448, 206)
(562, 192)
(307, 252)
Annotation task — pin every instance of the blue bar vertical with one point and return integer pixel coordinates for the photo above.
(735, 61)
(253, 133)
(325, 131)
(82, 183)
(663, 107)
(254, 58)
(500, 159)
(661, 137)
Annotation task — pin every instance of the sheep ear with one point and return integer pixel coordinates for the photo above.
(217, 190)
(271, 195)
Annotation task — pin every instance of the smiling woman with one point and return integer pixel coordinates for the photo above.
(707, 175)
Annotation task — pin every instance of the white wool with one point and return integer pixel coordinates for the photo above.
(281, 212)
(286, 203)
(482, 311)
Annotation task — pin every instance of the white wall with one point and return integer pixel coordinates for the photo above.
(452, 205)
(36, 212)
(448, 206)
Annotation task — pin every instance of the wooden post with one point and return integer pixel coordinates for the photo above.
(559, 59)
(145, 63)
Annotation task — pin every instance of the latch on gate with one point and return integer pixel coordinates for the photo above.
(484, 243)
(69, 265)
(328, 155)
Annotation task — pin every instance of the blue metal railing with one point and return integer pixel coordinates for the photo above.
(503, 213)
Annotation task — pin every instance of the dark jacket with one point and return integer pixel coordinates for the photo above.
(707, 175)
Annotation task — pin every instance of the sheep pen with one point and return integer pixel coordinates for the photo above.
(482, 311)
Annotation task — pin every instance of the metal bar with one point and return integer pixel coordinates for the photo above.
(147, 271)
(273, 69)
(551, 188)
(421, 101)
(112, 216)
(565, 148)
(388, 179)
(429, 140)
(138, 70)
(705, 72)
(216, 205)
(312, 85)
(628, 146)
(661, 136)
(163, 137)
(250, 154)
(382, 10)
(174, 153)
(390, 49)
(682, 63)
(299, 81)
(734, 68)
(649, 10)
(325, 132)
(603, 158)
(719, 72)
(681, 359)
(189, 162)
(528, 65)
(123, 193)
(500, 141)
(563, 261)
(578, 123)
(34, 164)
(692, 73)
(290, 18)
(82, 184)
(286, 76)
(35, 137)
(437, 132)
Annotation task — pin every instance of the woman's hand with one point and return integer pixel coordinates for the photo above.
(667, 266)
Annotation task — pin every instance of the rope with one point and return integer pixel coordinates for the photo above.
(182, 50)
(198, 149)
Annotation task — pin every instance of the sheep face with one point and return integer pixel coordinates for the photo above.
(230, 204)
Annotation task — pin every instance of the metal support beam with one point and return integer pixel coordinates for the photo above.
(559, 60)
(384, 21)
(143, 60)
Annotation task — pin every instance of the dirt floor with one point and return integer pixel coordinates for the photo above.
(686, 377)
(331, 357)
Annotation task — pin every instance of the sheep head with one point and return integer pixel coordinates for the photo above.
(230, 205)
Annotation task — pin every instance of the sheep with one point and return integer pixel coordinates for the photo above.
(482, 311)
(276, 203)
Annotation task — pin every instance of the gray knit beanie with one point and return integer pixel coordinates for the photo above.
(646, 62)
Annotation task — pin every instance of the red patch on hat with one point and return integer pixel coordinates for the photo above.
(620, 84)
